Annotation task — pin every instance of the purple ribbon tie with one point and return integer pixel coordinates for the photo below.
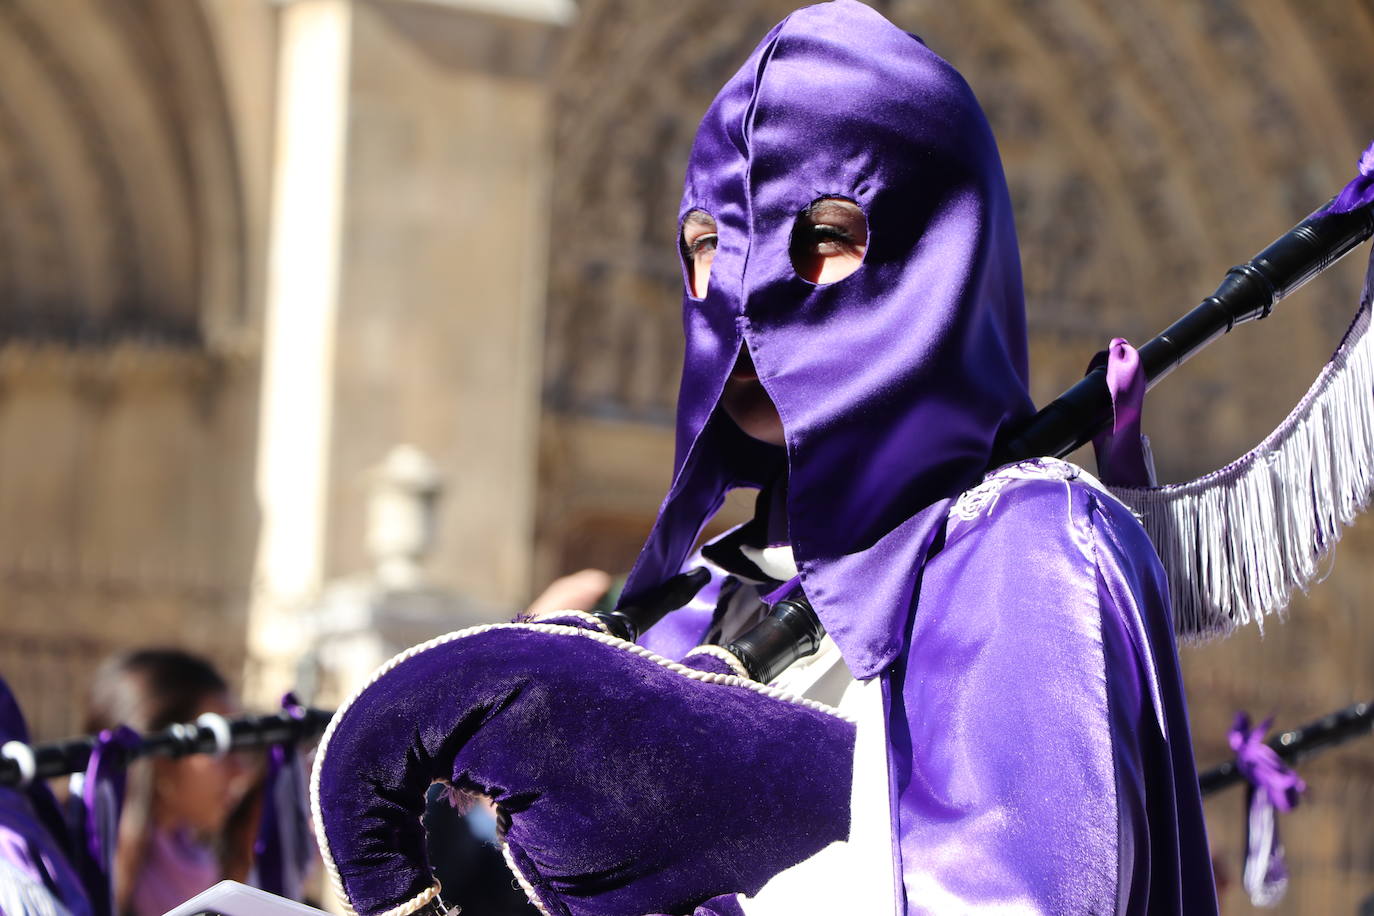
(1273, 787)
(284, 848)
(782, 591)
(1261, 765)
(1360, 191)
(1122, 460)
(102, 801)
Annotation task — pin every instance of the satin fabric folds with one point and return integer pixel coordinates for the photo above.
(1039, 739)
(1039, 757)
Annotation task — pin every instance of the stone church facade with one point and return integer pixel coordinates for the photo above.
(247, 247)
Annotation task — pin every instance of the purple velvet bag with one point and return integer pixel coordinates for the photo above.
(631, 784)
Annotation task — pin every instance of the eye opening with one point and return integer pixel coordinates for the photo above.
(697, 243)
(829, 240)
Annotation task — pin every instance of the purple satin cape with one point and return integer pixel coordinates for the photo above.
(1040, 754)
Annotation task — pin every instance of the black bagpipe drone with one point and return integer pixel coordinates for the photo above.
(62, 758)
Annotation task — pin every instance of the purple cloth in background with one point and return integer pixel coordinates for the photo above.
(93, 813)
(176, 867)
(1273, 787)
(284, 848)
(35, 854)
(32, 834)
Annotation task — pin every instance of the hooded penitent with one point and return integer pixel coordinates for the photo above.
(1037, 741)
(894, 383)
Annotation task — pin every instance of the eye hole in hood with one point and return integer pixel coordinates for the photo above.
(829, 240)
(697, 243)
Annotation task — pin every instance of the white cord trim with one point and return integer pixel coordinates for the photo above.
(224, 735)
(724, 655)
(21, 754)
(415, 903)
(524, 883)
(727, 680)
(584, 616)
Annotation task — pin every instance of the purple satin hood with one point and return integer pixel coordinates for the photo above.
(893, 383)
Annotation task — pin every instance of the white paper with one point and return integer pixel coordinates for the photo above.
(229, 898)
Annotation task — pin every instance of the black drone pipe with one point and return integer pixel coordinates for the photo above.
(1291, 746)
(71, 756)
(1248, 293)
(63, 757)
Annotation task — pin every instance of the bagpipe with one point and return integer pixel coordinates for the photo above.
(21, 764)
(631, 784)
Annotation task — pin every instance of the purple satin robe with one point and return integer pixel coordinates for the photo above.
(1039, 741)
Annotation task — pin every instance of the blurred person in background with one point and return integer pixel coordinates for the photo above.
(187, 822)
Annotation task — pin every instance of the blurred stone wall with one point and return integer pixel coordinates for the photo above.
(1149, 146)
(128, 379)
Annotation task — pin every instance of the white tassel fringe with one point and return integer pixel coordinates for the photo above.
(1238, 541)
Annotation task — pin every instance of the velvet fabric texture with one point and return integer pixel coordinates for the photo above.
(894, 383)
(631, 786)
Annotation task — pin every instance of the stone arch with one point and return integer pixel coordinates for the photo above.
(117, 151)
(127, 379)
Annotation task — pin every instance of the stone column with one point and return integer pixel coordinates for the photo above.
(299, 324)
(405, 293)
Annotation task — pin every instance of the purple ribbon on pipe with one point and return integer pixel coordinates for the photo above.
(1123, 458)
(1360, 190)
(101, 802)
(285, 848)
(782, 591)
(1274, 787)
